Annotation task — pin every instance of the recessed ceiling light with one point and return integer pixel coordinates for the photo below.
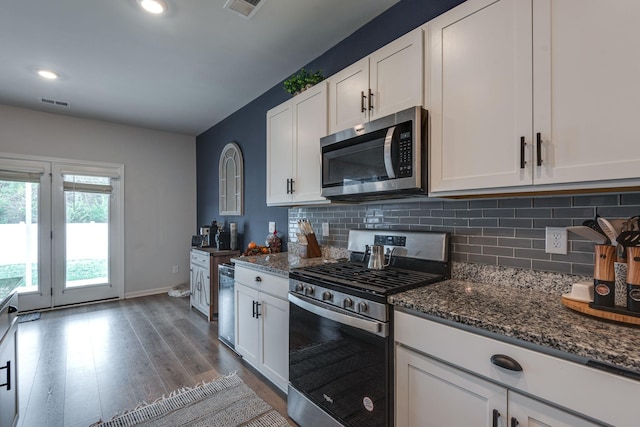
(153, 6)
(48, 74)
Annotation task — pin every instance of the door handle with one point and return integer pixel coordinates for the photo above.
(8, 368)
(370, 100)
(539, 148)
(496, 415)
(506, 362)
(362, 98)
(522, 151)
(258, 314)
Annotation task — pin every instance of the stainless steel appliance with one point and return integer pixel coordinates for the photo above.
(226, 305)
(383, 158)
(341, 327)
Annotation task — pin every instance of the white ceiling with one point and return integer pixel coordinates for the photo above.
(183, 72)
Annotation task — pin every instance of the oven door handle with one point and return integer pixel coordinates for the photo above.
(345, 318)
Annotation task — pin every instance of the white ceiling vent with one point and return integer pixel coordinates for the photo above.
(246, 8)
(55, 102)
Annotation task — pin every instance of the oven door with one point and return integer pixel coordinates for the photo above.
(339, 363)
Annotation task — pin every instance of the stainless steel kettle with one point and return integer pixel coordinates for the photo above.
(376, 259)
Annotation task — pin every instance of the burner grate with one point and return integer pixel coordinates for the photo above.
(359, 276)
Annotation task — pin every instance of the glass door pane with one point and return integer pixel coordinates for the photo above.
(87, 209)
(19, 231)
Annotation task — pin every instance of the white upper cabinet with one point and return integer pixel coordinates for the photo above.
(586, 89)
(294, 129)
(524, 93)
(387, 81)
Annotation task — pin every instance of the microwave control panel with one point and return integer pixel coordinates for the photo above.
(405, 158)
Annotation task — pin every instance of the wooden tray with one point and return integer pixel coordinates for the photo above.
(583, 307)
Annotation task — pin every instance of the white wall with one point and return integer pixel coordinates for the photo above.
(160, 185)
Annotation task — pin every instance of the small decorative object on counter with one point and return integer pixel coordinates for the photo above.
(273, 242)
(633, 279)
(621, 283)
(604, 276)
(255, 249)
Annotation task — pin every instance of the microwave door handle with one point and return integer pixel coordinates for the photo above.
(388, 162)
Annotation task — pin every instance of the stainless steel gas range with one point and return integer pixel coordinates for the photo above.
(341, 327)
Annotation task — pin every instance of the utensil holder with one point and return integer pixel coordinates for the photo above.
(621, 284)
(604, 276)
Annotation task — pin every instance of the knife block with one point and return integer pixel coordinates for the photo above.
(311, 249)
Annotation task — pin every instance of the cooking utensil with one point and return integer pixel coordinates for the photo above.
(612, 234)
(628, 239)
(589, 234)
(376, 259)
(593, 224)
(631, 224)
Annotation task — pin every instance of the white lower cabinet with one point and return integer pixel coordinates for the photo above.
(445, 376)
(431, 393)
(262, 323)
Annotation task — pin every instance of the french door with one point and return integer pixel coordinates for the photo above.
(61, 234)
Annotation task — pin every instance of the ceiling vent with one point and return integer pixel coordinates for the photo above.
(55, 102)
(246, 8)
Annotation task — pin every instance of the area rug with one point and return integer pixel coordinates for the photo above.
(29, 317)
(224, 402)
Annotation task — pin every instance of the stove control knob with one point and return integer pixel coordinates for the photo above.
(361, 307)
(347, 303)
(299, 287)
(308, 290)
(327, 296)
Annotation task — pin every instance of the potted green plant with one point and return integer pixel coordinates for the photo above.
(301, 81)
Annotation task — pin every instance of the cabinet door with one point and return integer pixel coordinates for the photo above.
(430, 393)
(348, 96)
(310, 124)
(586, 68)
(480, 95)
(8, 376)
(527, 412)
(280, 153)
(274, 363)
(395, 75)
(247, 324)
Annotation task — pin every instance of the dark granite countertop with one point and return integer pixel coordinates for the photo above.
(7, 286)
(528, 315)
(279, 263)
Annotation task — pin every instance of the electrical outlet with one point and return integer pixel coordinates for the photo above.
(174, 269)
(555, 240)
(325, 229)
(272, 226)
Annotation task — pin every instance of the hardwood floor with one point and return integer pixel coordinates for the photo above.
(82, 364)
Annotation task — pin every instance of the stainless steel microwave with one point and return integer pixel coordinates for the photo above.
(384, 158)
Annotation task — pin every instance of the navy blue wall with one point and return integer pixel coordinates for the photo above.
(247, 126)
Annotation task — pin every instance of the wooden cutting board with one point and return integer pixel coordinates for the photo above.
(583, 307)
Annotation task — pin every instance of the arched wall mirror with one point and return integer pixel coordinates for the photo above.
(231, 180)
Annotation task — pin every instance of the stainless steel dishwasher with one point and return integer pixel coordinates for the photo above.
(226, 305)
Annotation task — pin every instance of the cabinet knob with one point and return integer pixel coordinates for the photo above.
(13, 309)
(258, 279)
(514, 422)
